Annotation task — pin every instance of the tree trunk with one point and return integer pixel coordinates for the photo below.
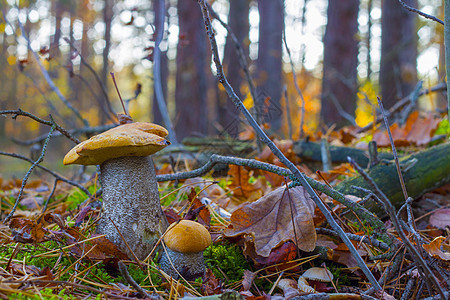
(398, 66)
(271, 23)
(339, 83)
(107, 18)
(192, 71)
(238, 22)
(164, 71)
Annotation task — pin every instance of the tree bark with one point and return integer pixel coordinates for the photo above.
(239, 24)
(398, 66)
(107, 18)
(192, 71)
(271, 23)
(339, 83)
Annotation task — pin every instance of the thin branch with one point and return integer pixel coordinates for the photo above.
(401, 103)
(27, 175)
(429, 276)
(264, 138)
(124, 271)
(57, 176)
(20, 112)
(97, 78)
(299, 91)
(157, 73)
(49, 79)
(394, 150)
(78, 131)
(415, 10)
(243, 62)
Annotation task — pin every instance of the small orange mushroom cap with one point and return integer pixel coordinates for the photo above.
(187, 237)
(132, 139)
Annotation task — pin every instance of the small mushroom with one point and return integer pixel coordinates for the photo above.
(185, 242)
(316, 274)
(289, 287)
(130, 191)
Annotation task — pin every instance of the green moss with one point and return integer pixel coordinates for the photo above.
(229, 259)
(77, 196)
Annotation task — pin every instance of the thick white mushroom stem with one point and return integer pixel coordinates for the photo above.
(131, 202)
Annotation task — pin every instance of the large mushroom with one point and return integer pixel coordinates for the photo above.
(130, 191)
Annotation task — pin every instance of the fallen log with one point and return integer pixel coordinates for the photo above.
(311, 151)
(422, 172)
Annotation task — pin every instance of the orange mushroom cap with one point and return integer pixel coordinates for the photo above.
(187, 237)
(132, 139)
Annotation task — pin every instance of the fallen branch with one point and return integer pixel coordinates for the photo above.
(264, 138)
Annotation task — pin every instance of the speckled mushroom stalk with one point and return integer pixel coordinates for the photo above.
(131, 202)
(130, 191)
(185, 242)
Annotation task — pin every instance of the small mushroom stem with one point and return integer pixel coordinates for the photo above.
(188, 265)
(131, 201)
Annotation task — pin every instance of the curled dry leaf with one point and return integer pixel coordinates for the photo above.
(270, 220)
(441, 218)
(434, 249)
(27, 231)
(240, 184)
(247, 280)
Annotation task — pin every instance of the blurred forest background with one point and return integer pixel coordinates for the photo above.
(339, 54)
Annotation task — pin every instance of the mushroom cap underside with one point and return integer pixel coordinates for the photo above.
(319, 274)
(187, 237)
(133, 139)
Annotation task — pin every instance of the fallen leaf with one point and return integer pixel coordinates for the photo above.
(434, 248)
(440, 218)
(197, 210)
(417, 130)
(240, 183)
(269, 220)
(211, 285)
(247, 280)
(27, 231)
(286, 252)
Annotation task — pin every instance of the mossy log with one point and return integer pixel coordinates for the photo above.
(422, 172)
(311, 151)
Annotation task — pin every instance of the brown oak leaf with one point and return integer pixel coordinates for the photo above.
(269, 220)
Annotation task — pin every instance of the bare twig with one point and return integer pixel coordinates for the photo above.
(415, 10)
(97, 78)
(57, 176)
(243, 62)
(124, 271)
(20, 112)
(354, 237)
(299, 91)
(84, 130)
(49, 79)
(288, 113)
(401, 103)
(429, 276)
(394, 150)
(118, 93)
(262, 136)
(27, 175)
(160, 15)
